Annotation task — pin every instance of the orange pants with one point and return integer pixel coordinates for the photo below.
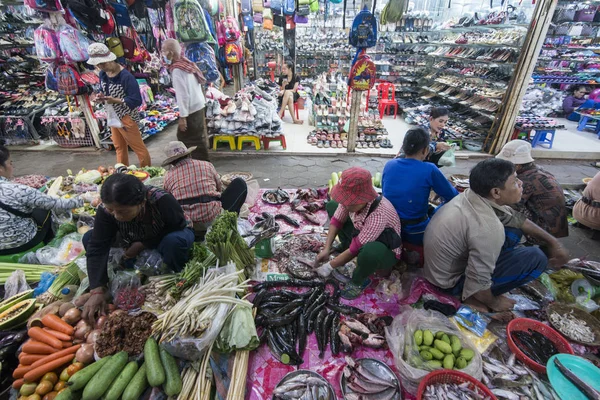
(130, 135)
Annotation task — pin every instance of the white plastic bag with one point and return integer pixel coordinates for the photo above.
(15, 284)
(400, 339)
(448, 159)
(112, 119)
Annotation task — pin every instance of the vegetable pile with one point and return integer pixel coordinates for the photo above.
(441, 350)
(226, 243)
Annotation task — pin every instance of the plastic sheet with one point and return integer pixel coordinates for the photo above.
(17, 283)
(46, 280)
(401, 342)
(421, 287)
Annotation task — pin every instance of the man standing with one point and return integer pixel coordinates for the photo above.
(187, 80)
(471, 244)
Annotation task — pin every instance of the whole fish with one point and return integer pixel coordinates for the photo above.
(580, 384)
(356, 325)
(452, 392)
(505, 394)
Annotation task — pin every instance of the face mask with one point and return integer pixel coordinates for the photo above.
(166, 60)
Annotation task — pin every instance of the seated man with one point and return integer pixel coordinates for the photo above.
(197, 187)
(471, 242)
(368, 228)
(587, 209)
(542, 201)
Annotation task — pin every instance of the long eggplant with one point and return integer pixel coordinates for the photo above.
(333, 336)
(319, 330)
(326, 328)
(301, 333)
(344, 309)
(287, 282)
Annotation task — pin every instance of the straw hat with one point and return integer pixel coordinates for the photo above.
(517, 152)
(99, 53)
(176, 150)
(356, 187)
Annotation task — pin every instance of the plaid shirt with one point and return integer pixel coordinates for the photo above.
(384, 216)
(193, 178)
(543, 201)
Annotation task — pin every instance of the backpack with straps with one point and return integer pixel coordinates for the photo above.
(190, 24)
(73, 44)
(69, 81)
(232, 29)
(363, 33)
(88, 13)
(362, 74)
(234, 54)
(276, 6)
(50, 80)
(204, 56)
(47, 47)
(44, 5)
(246, 7)
(289, 7)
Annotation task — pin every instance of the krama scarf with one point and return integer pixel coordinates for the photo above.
(187, 66)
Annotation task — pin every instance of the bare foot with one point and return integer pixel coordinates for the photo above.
(504, 316)
(298, 122)
(476, 305)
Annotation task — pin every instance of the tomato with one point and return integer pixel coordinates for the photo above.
(64, 375)
(59, 386)
(71, 369)
(52, 377)
(44, 388)
(50, 396)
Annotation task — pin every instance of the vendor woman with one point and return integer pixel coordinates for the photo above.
(288, 93)
(142, 217)
(438, 118)
(25, 213)
(573, 101)
(368, 228)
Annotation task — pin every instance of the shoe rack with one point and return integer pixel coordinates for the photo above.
(322, 50)
(269, 47)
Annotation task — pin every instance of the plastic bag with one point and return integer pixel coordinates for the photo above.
(60, 253)
(481, 343)
(448, 159)
(400, 339)
(523, 303)
(46, 280)
(124, 288)
(150, 263)
(472, 320)
(252, 194)
(17, 283)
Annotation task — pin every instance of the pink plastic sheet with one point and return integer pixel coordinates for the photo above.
(264, 372)
(420, 286)
(305, 226)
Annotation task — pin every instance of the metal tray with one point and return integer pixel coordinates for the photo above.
(293, 374)
(581, 315)
(377, 368)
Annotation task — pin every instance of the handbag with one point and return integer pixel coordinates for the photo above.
(112, 119)
(587, 30)
(561, 30)
(114, 44)
(576, 30)
(585, 15)
(564, 15)
(128, 46)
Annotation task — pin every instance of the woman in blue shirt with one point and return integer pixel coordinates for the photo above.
(407, 183)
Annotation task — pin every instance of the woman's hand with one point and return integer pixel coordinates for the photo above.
(322, 257)
(134, 250)
(113, 100)
(441, 146)
(182, 124)
(95, 305)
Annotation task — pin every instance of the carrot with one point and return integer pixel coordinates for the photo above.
(54, 356)
(17, 384)
(28, 359)
(58, 335)
(54, 322)
(20, 371)
(35, 347)
(66, 344)
(38, 372)
(42, 336)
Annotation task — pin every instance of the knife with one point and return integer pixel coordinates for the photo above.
(586, 389)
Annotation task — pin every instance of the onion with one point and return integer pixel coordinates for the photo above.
(81, 330)
(64, 308)
(81, 323)
(72, 316)
(100, 322)
(85, 354)
(92, 336)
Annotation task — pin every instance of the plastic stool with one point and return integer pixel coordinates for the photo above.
(267, 140)
(224, 138)
(519, 134)
(541, 137)
(245, 139)
(295, 110)
(459, 142)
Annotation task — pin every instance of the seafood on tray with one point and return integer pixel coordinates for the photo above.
(366, 329)
(276, 196)
(367, 379)
(265, 228)
(453, 391)
(572, 327)
(303, 385)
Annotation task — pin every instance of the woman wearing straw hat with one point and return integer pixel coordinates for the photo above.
(197, 187)
(368, 227)
(121, 94)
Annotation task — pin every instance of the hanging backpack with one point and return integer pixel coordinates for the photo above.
(50, 80)
(44, 5)
(69, 81)
(221, 38)
(88, 13)
(47, 47)
(190, 24)
(364, 30)
(211, 5)
(362, 74)
(248, 22)
(258, 6)
(276, 6)
(314, 6)
(156, 4)
(232, 29)
(121, 14)
(211, 27)
(303, 10)
(234, 54)
(73, 44)
(246, 7)
(204, 56)
(289, 7)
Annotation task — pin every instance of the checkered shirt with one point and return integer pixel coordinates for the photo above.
(192, 178)
(384, 216)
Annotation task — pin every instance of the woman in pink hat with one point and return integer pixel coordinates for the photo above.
(368, 228)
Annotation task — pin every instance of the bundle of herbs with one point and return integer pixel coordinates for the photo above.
(227, 244)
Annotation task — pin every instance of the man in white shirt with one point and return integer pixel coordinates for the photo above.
(187, 80)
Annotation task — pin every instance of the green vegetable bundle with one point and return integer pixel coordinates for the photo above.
(227, 244)
(239, 332)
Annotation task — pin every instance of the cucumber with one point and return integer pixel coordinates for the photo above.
(173, 383)
(82, 377)
(68, 394)
(118, 386)
(334, 178)
(155, 370)
(99, 384)
(137, 385)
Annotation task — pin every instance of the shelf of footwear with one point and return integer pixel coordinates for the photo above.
(474, 106)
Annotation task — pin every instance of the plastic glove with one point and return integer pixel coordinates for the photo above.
(325, 270)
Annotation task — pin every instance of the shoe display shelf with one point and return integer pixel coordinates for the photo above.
(331, 113)
(322, 50)
(268, 48)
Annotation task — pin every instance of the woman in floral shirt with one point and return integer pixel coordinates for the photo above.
(25, 220)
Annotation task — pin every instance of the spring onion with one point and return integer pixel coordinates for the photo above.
(227, 244)
(33, 272)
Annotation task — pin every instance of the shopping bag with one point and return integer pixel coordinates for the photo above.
(448, 159)
(112, 119)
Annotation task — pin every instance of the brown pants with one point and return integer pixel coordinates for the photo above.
(130, 135)
(195, 135)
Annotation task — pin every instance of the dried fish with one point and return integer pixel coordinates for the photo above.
(572, 327)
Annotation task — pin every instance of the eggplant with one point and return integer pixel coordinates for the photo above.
(301, 333)
(319, 330)
(13, 337)
(289, 282)
(344, 309)
(333, 336)
(326, 328)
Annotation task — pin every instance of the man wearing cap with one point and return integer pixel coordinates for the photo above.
(368, 227)
(542, 201)
(472, 247)
(197, 187)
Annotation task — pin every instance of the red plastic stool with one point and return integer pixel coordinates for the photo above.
(409, 247)
(295, 110)
(267, 140)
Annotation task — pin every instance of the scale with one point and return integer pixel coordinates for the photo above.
(582, 287)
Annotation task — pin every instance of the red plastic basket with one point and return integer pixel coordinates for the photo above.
(524, 324)
(450, 376)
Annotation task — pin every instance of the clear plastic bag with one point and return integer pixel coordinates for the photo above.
(16, 283)
(400, 339)
(124, 288)
(150, 263)
(252, 194)
(448, 159)
(63, 253)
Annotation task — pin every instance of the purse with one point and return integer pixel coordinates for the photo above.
(561, 30)
(585, 15)
(115, 46)
(564, 15)
(576, 30)
(587, 30)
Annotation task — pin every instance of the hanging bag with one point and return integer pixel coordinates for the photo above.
(45, 5)
(69, 81)
(585, 15)
(232, 29)
(258, 6)
(276, 6)
(190, 24)
(597, 15)
(562, 29)
(363, 33)
(246, 7)
(73, 44)
(314, 6)
(50, 80)
(128, 45)
(114, 45)
(576, 30)
(47, 46)
(234, 53)
(289, 7)
(564, 15)
(121, 14)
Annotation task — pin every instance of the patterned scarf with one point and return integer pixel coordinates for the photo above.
(187, 66)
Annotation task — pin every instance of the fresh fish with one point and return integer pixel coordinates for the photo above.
(374, 341)
(360, 386)
(302, 387)
(356, 325)
(572, 327)
(451, 392)
(345, 342)
(505, 394)
(493, 370)
(580, 384)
